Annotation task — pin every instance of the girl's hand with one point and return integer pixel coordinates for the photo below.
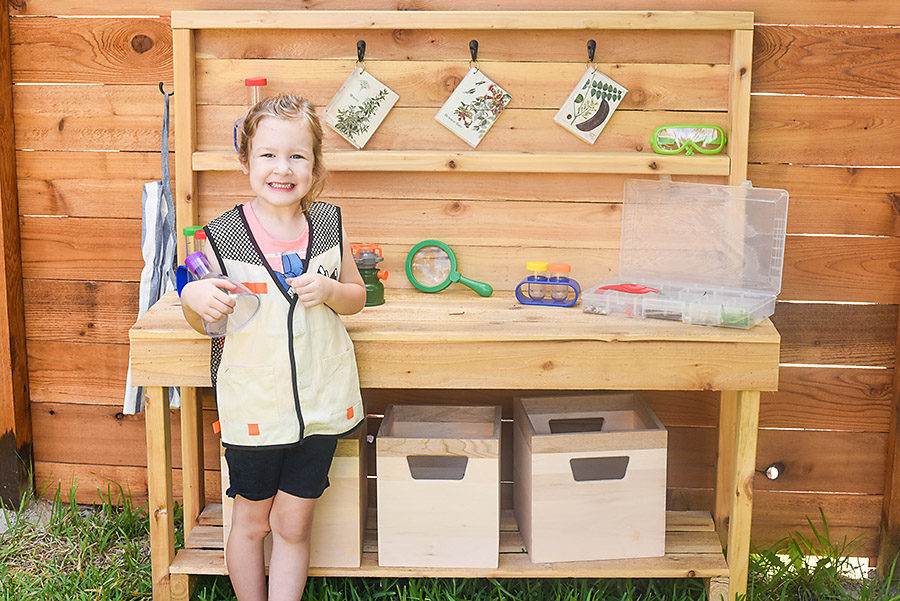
(312, 288)
(209, 298)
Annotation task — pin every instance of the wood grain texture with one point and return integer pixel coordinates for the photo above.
(843, 61)
(88, 117)
(517, 129)
(530, 224)
(651, 86)
(159, 491)
(467, 20)
(111, 435)
(697, 47)
(829, 462)
(810, 398)
(104, 311)
(15, 427)
(851, 269)
(117, 51)
(845, 399)
(58, 371)
(836, 200)
(849, 515)
(98, 483)
(824, 131)
(837, 334)
(87, 249)
(85, 184)
(867, 12)
(221, 190)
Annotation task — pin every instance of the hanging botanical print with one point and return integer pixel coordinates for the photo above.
(590, 105)
(359, 107)
(474, 106)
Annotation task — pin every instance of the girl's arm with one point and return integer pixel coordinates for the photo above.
(346, 295)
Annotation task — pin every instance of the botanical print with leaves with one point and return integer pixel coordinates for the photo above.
(590, 106)
(359, 107)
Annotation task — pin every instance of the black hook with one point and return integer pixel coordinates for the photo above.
(592, 48)
(473, 49)
(163, 92)
(361, 50)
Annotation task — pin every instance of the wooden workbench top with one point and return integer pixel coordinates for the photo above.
(462, 316)
(455, 339)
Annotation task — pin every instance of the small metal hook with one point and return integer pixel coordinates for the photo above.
(163, 92)
(361, 50)
(473, 50)
(592, 48)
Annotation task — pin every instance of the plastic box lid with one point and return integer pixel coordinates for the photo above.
(712, 236)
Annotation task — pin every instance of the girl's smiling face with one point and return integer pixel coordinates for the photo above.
(280, 162)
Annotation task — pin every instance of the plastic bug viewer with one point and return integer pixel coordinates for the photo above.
(286, 385)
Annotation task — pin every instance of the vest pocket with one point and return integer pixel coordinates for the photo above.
(340, 382)
(247, 395)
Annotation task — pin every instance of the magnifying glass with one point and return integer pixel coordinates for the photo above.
(431, 267)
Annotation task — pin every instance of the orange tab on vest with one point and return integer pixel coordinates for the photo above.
(256, 287)
(349, 412)
(217, 427)
(253, 429)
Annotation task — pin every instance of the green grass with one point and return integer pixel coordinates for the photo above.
(102, 553)
(812, 569)
(96, 553)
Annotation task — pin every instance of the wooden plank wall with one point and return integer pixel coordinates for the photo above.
(824, 120)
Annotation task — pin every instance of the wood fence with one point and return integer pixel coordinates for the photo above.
(825, 120)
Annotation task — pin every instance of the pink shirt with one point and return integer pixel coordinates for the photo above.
(272, 248)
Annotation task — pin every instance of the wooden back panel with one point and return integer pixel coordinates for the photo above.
(531, 190)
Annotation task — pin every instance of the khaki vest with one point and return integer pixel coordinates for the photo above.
(291, 373)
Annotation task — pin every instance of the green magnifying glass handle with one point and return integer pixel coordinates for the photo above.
(481, 288)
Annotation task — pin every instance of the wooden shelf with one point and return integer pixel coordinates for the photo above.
(501, 162)
(365, 19)
(692, 550)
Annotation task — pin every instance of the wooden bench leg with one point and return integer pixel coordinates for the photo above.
(192, 458)
(181, 585)
(741, 512)
(725, 464)
(717, 589)
(159, 488)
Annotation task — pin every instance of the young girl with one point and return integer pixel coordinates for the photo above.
(286, 385)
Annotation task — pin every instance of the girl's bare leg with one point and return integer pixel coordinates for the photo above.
(291, 523)
(244, 552)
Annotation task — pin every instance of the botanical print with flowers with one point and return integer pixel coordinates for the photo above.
(474, 107)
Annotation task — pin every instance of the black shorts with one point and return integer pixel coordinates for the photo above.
(300, 470)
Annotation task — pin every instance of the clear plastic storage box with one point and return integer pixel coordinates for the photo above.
(698, 253)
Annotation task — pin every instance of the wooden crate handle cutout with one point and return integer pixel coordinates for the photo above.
(437, 467)
(586, 469)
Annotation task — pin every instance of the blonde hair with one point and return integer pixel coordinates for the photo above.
(286, 106)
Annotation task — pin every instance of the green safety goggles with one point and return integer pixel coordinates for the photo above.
(674, 139)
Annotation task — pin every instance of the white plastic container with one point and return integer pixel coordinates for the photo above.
(712, 254)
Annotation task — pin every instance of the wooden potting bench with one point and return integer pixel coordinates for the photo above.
(457, 340)
(530, 191)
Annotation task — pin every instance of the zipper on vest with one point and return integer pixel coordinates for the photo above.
(290, 327)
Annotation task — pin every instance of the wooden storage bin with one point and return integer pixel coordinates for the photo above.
(339, 520)
(584, 490)
(438, 470)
